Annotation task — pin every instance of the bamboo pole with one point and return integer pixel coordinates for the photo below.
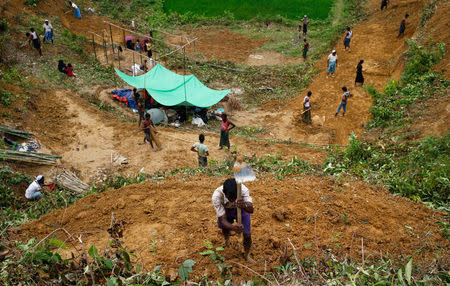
(118, 57)
(112, 42)
(93, 46)
(104, 47)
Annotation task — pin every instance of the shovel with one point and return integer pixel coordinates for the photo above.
(242, 173)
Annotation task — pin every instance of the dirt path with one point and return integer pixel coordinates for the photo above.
(375, 41)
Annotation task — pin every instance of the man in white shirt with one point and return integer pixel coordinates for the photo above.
(48, 31)
(307, 109)
(76, 10)
(33, 191)
(202, 151)
(332, 63)
(225, 204)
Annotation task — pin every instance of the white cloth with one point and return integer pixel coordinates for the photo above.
(48, 28)
(198, 122)
(135, 68)
(332, 58)
(220, 200)
(74, 6)
(349, 35)
(306, 102)
(201, 148)
(32, 188)
(34, 35)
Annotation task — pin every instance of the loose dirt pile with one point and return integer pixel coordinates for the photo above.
(177, 216)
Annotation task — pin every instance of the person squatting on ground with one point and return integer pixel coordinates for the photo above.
(402, 28)
(305, 48)
(202, 151)
(34, 38)
(359, 74)
(148, 123)
(69, 70)
(225, 203)
(306, 115)
(384, 4)
(225, 129)
(332, 63)
(344, 99)
(33, 191)
(76, 10)
(48, 31)
(347, 39)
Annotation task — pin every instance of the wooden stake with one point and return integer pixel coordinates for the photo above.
(104, 47)
(239, 197)
(118, 57)
(112, 42)
(93, 46)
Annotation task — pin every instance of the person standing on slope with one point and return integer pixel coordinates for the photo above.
(306, 115)
(347, 39)
(332, 63)
(225, 129)
(305, 49)
(343, 104)
(359, 75)
(48, 31)
(305, 23)
(384, 4)
(225, 203)
(76, 10)
(402, 28)
(34, 38)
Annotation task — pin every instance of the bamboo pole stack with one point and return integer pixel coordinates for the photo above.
(15, 132)
(71, 182)
(29, 157)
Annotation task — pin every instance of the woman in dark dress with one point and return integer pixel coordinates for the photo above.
(359, 76)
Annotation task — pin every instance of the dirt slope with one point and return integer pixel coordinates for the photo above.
(86, 137)
(375, 41)
(307, 210)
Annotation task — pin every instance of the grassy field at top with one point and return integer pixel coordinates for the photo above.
(249, 9)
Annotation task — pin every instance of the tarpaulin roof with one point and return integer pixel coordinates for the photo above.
(169, 88)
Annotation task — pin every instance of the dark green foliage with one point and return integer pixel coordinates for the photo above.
(418, 83)
(417, 170)
(246, 10)
(73, 41)
(32, 3)
(6, 98)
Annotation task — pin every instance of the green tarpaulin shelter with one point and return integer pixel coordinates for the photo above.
(169, 88)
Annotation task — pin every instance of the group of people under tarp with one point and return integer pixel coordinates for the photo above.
(139, 46)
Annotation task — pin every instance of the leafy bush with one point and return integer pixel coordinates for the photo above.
(417, 82)
(419, 171)
(32, 3)
(7, 98)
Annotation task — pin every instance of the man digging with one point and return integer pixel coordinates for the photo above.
(225, 202)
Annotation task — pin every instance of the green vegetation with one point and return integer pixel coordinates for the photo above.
(32, 3)
(417, 170)
(246, 10)
(7, 98)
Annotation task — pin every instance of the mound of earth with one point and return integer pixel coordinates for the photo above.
(176, 216)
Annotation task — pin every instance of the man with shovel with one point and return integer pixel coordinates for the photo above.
(227, 205)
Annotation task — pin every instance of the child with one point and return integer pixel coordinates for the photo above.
(147, 125)
(202, 151)
(305, 49)
(69, 71)
(343, 104)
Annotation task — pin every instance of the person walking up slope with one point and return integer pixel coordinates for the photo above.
(307, 108)
(343, 104)
(202, 151)
(347, 39)
(402, 28)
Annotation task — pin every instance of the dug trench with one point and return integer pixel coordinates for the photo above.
(317, 214)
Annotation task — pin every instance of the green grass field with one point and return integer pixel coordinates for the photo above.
(249, 9)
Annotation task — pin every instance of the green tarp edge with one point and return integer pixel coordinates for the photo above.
(170, 89)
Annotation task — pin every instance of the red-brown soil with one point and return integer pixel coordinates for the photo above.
(179, 216)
